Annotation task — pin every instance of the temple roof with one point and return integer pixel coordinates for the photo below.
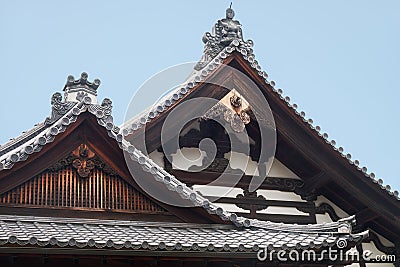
(17, 149)
(60, 122)
(86, 233)
(209, 63)
(65, 112)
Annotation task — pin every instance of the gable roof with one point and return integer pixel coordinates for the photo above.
(65, 113)
(59, 122)
(204, 69)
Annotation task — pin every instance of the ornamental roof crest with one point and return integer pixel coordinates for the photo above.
(226, 32)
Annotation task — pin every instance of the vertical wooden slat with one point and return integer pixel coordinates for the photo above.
(134, 200)
(43, 186)
(85, 197)
(57, 187)
(129, 198)
(66, 197)
(63, 178)
(28, 189)
(126, 197)
(90, 193)
(34, 191)
(93, 198)
(64, 188)
(25, 193)
(55, 179)
(29, 192)
(61, 189)
(109, 194)
(101, 188)
(46, 184)
(139, 201)
(84, 193)
(51, 200)
(39, 189)
(106, 192)
(77, 193)
(112, 193)
(79, 196)
(117, 195)
(68, 190)
(120, 193)
(97, 189)
(71, 188)
(12, 195)
(94, 191)
(20, 194)
(82, 182)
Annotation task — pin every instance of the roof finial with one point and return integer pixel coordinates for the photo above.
(80, 87)
(226, 31)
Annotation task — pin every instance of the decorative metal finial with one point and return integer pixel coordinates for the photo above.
(225, 32)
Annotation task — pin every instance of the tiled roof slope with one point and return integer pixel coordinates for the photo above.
(15, 142)
(104, 119)
(84, 233)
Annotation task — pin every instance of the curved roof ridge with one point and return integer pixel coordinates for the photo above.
(26, 135)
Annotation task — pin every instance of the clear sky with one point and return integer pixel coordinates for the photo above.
(338, 60)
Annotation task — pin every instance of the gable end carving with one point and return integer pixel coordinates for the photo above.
(81, 180)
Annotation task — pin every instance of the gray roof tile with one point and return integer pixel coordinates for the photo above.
(44, 231)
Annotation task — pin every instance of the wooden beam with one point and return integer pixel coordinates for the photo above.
(365, 215)
(258, 201)
(315, 182)
(284, 184)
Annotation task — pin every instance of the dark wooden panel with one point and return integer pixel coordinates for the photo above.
(64, 188)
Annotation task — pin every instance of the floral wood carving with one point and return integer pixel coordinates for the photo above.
(84, 160)
(252, 196)
(233, 108)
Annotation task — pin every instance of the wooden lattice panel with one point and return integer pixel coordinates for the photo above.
(65, 188)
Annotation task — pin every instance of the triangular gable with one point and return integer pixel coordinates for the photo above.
(302, 146)
(89, 125)
(81, 180)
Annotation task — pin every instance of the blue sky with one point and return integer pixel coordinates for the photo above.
(338, 60)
